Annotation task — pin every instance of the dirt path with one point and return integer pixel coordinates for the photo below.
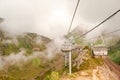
(113, 67)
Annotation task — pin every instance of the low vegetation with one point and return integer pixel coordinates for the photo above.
(114, 53)
(90, 62)
(26, 41)
(53, 76)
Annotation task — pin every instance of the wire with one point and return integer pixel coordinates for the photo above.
(98, 25)
(73, 16)
(106, 34)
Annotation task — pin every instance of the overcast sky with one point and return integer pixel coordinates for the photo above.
(52, 17)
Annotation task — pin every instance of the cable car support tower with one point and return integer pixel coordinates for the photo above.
(67, 47)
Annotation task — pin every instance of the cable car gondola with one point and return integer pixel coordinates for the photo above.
(66, 47)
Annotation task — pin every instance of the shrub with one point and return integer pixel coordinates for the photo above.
(53, 76)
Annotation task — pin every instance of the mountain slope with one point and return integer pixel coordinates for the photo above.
(114, 52)
(14, 43)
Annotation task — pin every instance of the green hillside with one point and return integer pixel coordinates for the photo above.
(13, 43)
(114, 53)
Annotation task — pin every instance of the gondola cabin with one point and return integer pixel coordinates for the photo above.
(100, 51)
(66, 48)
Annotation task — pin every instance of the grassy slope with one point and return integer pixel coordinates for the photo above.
(114, 53)
(24, 72)
(26, 41)
(37, 68)
(89, 64)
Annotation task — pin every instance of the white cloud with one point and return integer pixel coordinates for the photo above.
(34, 15)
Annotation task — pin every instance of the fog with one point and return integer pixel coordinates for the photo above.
(20, 58)
(52, 18)
(36, 15)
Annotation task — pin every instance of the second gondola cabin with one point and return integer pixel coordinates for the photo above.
(99, 51)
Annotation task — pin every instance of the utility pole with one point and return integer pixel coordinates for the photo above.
(70, 61)
(66, 56)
